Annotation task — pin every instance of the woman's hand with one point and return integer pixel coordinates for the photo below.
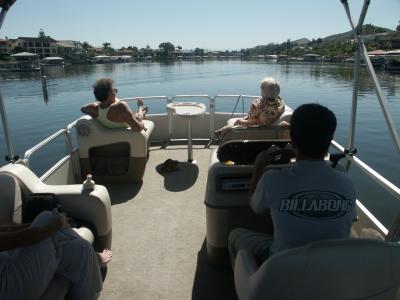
(237, 122)
(139, 102)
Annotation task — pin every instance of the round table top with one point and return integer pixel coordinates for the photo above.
(187, 109)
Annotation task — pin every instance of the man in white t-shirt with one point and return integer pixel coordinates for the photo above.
(307, 202)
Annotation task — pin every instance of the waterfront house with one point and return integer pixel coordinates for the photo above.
(70, 47)
(42, 46)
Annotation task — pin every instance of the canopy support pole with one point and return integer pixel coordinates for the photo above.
(357, 31)
(10, 157)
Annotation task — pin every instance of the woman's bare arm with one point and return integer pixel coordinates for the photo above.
(130, 118)
(90, 109)
(29, 235)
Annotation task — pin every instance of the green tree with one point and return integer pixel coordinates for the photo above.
(398, 27)
(86, 46)
(198, 52)
(19, 49)
(167, 50)
(106, 47)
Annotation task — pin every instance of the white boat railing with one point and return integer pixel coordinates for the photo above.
(350, 151)
(45, 142)
(211, 107)
(378, 178)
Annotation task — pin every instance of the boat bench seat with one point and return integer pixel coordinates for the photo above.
(18, 183)
(112, 155)
(256, 133)
(329, 270)
(226, 202)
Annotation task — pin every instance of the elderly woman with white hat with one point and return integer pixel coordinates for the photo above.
(265, 110)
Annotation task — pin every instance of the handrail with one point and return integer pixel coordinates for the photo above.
(30, 151)
(393, 189)
(146, 98)
(212, 103)
(362, 52)
(378, 178)
(190, 96)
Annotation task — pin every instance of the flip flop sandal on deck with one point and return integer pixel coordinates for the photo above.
(169, 165)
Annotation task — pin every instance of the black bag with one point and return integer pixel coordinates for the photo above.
(35, 204)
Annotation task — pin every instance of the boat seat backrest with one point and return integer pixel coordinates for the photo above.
(257, 133)
(336, 269)
(285, 117)
(93, 208)
(91, 134)
(10, 200)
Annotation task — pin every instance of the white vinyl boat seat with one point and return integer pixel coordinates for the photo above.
(17, 183)
(112, 155)
(257, 133)
(336, 269)
(242, 145)
(226, 201)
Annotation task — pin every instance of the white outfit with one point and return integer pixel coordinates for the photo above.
(26, 272)
(310, 201)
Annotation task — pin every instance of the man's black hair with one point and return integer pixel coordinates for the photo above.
(311, 128)
(101, 88)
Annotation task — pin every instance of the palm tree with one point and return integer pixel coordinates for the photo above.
(86, 46)
(106, 46)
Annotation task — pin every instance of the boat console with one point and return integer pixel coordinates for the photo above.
(229, 175)
(116, 155)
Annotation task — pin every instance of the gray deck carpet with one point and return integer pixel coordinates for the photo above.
(159, 234)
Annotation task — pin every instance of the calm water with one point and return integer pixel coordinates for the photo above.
(31, 118)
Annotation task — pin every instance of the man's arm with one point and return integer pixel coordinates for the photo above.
(90, 109)
(13, 227)
(129, 117)
(29, 235)
(263, 159)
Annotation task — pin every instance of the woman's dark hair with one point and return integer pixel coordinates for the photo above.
(101, 88)
(311, 128)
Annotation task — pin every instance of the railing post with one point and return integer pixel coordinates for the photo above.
(212, 117)
(357, 64)
(10, 157)
(70, 150)
(170, 121)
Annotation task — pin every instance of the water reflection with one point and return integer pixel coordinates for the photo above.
(44, 89)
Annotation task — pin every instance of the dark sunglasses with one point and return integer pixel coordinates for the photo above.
(115, 90)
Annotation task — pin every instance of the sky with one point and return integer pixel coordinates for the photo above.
(207, 24)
